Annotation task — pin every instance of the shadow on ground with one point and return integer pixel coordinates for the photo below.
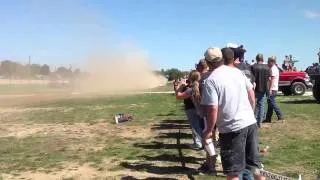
(168, 129)
(161, 145)
(171, 124)
(304, 101)
(172, 158)
(174, 135)
(168, 114)
(149, 178)
(151, 168)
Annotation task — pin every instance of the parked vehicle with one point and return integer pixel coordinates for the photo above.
(294, 82)
(314, 73)
(316, 88)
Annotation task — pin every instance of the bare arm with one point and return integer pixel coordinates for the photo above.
(212, 114)
(252, 98)
(251, 93)
(182, 95)
(272, 81)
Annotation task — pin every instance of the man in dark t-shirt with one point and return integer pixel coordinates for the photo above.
(261, 73)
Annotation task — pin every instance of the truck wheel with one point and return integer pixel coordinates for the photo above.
(286, 91)
(298, 88)
(316, 92)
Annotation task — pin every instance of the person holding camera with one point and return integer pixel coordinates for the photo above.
(186, 91)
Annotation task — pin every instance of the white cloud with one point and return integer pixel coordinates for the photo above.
(311, 14)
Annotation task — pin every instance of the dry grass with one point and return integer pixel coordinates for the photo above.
(77, 139)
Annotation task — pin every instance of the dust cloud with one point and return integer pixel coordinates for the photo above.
(111, 60)
(118, 73)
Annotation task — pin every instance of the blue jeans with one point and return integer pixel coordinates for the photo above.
(272, 106)
(196, 127)
(246, 175)
(259, 111)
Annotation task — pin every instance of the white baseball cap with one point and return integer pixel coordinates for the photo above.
(232, 45)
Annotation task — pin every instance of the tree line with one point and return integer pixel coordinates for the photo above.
(173, 73)
(12, 69)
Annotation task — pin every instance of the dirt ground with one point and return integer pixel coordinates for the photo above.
(79, 130)
(87, 137)
(19, 103)
(11, 100)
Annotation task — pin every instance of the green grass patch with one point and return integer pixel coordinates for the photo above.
(294, 145)
(145, 108)
(36, 152)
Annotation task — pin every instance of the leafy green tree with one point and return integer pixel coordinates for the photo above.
(6, 68)
(35, 69)
(11, 68)
(173, 74)
(45, 70)
(64, 72)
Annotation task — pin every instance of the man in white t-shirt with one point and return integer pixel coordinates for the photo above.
(272, 91)
(229, 99)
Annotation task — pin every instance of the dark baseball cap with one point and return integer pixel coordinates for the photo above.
(238, 52)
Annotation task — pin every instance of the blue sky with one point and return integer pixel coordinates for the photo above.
(173, 33)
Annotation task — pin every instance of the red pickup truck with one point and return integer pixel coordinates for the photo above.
(293, 82)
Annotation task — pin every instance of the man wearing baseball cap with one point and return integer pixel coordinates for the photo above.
(209, 166)
(225, 94)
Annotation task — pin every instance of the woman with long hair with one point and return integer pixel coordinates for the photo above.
(190, 93)
(196, 116)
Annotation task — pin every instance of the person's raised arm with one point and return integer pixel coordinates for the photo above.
(182, 94)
